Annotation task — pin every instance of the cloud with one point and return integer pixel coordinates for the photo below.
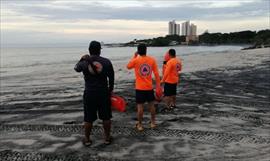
(225, 4)
(119, 21)
(232, 25)
(139, 10)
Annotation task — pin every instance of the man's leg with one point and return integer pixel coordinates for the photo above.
(173, 103)
(174, 100)
(87, 131)
(167, 98)
(107, 129)
(152, 110)
(139, 116)
(168, 101)
(140, 113)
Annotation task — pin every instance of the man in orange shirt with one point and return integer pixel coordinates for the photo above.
(144, 66)
(171, 78)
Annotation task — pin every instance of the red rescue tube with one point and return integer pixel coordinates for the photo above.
(118, 103)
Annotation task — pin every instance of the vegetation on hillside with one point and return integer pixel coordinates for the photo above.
(261, 37)
(159, 41)
(242, 37)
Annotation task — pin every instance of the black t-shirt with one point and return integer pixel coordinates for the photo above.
(97, 71)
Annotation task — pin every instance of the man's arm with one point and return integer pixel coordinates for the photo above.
(166, 73)
(131, 63)
(78, 67)
(81, 64)
(155, 70)
(111, 77)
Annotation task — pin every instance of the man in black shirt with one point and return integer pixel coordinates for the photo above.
(96, 98)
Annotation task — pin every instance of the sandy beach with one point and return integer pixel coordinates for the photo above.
(223, 113)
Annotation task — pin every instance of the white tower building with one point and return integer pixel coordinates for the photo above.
(177, 29)
(174, 28)
(186, 28)
(193, 30)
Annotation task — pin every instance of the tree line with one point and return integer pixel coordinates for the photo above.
(261, 37)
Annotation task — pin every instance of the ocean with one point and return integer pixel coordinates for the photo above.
(47, 75)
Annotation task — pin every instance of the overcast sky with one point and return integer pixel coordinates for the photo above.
(70, 21)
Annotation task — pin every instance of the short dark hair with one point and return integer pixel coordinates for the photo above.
(172, 52)
(94, 48)
(142, 49)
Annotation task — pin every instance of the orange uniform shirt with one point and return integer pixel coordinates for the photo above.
(171, 74)
(144, 66)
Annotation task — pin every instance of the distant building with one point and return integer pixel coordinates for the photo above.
(174, 28)
(190, 31)
(185, 28)
(193, 30)
(177, 29)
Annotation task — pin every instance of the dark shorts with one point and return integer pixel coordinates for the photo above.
(170, 89)
(97, 103)
(143, 96)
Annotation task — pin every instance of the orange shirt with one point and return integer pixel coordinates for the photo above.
(144, 66)
(173, 67)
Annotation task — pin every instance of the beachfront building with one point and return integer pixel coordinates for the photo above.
(177, 29)
(185, 28)
(190, 31)
(193, 30)
(174, 28)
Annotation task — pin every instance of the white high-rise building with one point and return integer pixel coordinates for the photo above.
(193, 30)
(183, 29)
(186, 28)
(189, 31)
(174, 28)
(177, 29)
(171, 27)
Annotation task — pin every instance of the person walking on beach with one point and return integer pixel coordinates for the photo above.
(171, 79)
(97, 71)
(144, 66)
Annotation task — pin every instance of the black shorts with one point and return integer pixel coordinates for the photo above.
(170, 89)
(96, 102)
(143, 96)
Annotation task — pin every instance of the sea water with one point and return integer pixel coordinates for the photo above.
(46, 74)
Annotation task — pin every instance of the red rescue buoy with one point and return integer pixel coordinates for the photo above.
(118, 103)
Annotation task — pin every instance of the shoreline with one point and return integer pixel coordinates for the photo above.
(222, 113)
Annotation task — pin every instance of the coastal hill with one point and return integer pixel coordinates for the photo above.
(254, 38)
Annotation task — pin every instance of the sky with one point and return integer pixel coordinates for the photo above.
(80, 21)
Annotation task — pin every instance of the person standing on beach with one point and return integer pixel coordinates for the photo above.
(97, 71)
(171, 79)
(144, 66)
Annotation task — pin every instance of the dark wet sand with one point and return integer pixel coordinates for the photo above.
(221, 114)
